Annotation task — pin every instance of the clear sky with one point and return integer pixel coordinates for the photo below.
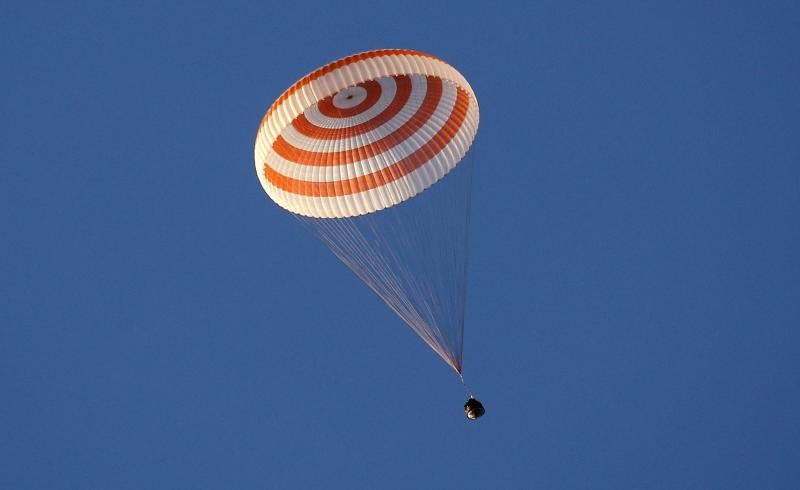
(634, 300)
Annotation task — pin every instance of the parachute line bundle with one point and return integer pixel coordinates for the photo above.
(414, 257)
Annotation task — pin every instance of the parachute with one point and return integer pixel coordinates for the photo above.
(368, 152)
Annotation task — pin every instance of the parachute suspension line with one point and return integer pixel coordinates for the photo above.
(414, 257)
(470, 169)
(467, 391)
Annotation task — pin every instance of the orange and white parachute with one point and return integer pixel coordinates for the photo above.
(344, 146)
(364, 133)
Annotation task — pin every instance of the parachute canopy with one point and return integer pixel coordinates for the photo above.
(350, 148)
(364, 133)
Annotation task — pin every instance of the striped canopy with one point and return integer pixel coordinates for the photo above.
(364, 133)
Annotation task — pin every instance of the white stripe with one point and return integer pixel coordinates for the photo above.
(388, 90)
(382, 197)
(315, 173)
(303, 142)
(349, 97)
(353, 74)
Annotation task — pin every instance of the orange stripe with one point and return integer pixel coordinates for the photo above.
(380, 177)
(373, 89)
(401, 96)
(319, 72)
(290, 152)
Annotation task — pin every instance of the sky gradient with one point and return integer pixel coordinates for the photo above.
(633, 302)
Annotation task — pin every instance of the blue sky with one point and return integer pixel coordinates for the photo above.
(633, 296)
